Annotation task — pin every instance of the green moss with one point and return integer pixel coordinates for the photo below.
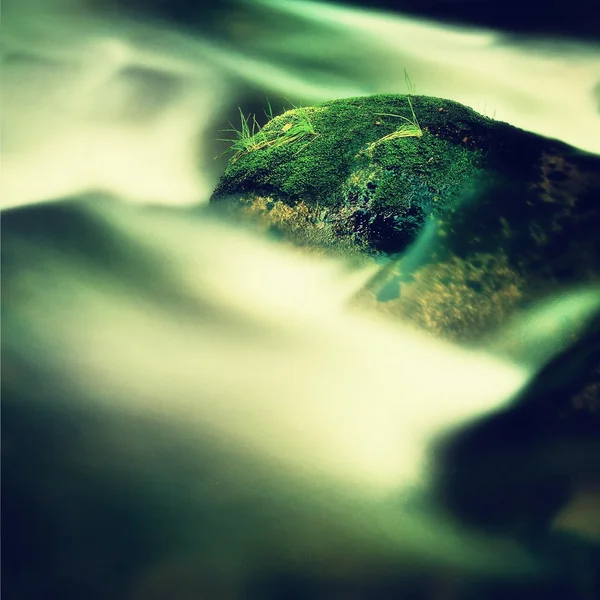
(377, 189)
(316, 168)
(482, 219)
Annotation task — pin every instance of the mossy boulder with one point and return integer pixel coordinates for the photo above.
(345, 184)
(475, 221)
(475, 218)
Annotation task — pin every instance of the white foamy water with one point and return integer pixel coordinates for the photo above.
(98, 101)
(248, 348)
(249, 344)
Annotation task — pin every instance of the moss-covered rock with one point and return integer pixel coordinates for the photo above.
(476, 218)
(358, 186)
(524, 240)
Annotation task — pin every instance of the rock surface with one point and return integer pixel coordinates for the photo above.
(349, 182)
(475, 221)
(479, 218)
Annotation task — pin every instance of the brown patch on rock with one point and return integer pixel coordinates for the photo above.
(301, 225)
(561, 181)
(274, 213)
(459, 300)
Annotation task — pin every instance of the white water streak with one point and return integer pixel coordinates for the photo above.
(95, 102)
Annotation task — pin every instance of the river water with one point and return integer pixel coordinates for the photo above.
(195, 364)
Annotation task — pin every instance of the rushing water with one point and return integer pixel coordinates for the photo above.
(100, 100)
(248, 417)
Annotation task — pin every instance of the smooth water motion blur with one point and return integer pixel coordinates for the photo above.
(97, 98)
(192, 411)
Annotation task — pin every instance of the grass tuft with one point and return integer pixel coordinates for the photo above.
(251, 137)
(410, 126)
(298, 126)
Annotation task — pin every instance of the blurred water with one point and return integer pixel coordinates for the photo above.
(100, 100)
(220, 378)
